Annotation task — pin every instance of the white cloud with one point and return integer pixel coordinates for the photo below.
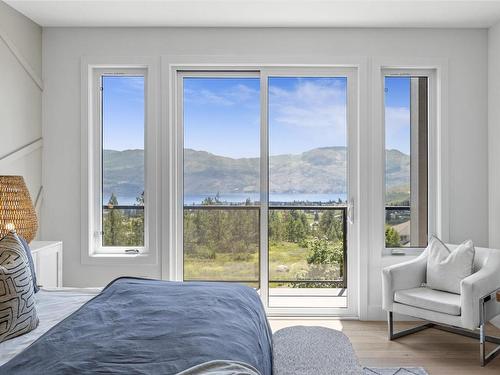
(205, 96)
(129, 88)
(397, 128)
(397, 118)
(135, 83)
(242, 93)
(237, 94)
(310, 104)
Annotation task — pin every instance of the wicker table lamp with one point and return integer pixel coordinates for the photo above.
(16, 209)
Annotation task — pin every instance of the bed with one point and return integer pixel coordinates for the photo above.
(143, 326)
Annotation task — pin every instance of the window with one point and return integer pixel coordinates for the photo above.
(406, 160)
(119, 192)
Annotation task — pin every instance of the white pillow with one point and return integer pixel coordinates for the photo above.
(445, 268)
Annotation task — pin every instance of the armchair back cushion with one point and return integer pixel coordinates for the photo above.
(447, 268)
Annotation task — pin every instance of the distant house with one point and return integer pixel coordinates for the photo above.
(404, 232)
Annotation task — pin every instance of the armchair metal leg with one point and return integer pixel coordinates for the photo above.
(405, 332)
(485, 358)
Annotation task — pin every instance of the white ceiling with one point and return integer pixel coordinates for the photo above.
(262, 13)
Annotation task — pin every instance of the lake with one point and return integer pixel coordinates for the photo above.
(274, 198)
(193, 199)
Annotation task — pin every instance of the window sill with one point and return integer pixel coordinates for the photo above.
(119, 259)
(119, 255)
(405, 252)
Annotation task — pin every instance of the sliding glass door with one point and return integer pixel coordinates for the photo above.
(268, 184)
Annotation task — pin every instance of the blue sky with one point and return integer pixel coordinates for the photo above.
(123, 112)
(306, 113)
(397, 113)
(222, 115)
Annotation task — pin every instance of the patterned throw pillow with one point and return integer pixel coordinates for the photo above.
(17, 297)
(27, 249)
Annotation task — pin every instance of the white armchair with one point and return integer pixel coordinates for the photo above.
(404, 292)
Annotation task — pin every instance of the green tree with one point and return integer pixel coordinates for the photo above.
(136, 223)
(231, 234)
(297, 226)
(323, 251)
(392, 238)
(113, 224)
(277, 230)
(331, 226)
(326, 263)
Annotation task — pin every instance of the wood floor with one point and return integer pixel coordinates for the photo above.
(437, 351)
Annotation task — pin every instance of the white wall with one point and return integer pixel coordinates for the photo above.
(20, 97)
(494, 134)
(465, 51)
(494, 138)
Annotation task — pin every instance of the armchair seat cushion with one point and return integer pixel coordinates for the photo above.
(430, 299)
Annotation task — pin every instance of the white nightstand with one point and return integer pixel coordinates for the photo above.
(47, 256)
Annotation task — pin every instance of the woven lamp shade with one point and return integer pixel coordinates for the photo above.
(16, 210)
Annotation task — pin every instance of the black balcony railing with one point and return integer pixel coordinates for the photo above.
(121, 207)
(294, 281)
(122, 225)
(394, 215)
(397, 208)
(340, 282)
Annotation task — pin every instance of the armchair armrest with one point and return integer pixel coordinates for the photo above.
(477, 285)
(400, 276)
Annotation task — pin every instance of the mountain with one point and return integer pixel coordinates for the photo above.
(123, 173)
(321, 170)
(397, 169)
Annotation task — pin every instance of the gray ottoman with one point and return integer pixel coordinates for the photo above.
(301, 350)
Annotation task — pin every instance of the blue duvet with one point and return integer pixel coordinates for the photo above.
(138, 326)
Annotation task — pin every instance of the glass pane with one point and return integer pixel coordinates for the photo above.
(221, 244)
(221, 169)
(308, 168)
(306, 248)
(123, 160)
(406, 123)
(307, 140)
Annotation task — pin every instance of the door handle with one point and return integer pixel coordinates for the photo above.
(350, 211)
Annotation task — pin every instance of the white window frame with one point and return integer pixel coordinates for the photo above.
(437, 71)
(431, 159)
(353, 222)
(352, 72)
(92, 250)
